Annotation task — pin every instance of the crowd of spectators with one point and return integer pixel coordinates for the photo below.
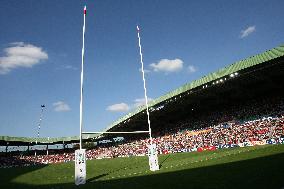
(258, 121)
(190, 140)
(28, 160)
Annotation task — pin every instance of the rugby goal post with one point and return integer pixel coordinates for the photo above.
(80, 155)
(152, 148)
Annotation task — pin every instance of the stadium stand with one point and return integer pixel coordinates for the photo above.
(222, 129)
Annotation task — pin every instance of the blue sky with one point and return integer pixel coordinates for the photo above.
(40, 55)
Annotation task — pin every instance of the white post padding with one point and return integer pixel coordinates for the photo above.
(80, 166)
(153, 157)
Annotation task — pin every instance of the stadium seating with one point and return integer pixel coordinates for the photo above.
(259, 122)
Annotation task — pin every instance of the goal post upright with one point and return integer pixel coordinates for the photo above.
(152, 150)
(144, 85)
(80, 155)
(82, 78)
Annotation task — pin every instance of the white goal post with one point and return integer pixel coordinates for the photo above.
(80, 155)
(152, 149)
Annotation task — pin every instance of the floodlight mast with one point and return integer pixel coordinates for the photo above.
(144, 85)
(82, 77)
(39, 123)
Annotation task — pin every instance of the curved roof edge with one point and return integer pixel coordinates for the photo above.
(235, 67)
(45, 140)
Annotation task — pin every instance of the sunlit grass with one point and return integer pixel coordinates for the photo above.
(110, 170)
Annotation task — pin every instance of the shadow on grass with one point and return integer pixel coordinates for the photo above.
(161, 164)
(8, 174)
(262, 172)
(97, 177)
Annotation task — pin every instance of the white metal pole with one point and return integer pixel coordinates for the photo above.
(35, 148)
(47, 146)
(82, 76)
(144, 82)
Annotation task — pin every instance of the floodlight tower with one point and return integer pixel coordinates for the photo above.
(39, 124)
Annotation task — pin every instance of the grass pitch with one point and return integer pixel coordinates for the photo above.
(250, 167)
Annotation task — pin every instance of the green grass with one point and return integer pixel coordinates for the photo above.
(251, 167)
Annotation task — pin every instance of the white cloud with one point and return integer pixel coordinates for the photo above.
(123, 107)
(247, 31)
(120, 107)
(191, 69)
(166, 65)
(140, 102)
(21, 55)
(61, 106)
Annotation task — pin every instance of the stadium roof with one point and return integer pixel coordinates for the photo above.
(28, 140)
(246, 64)
(226, 71)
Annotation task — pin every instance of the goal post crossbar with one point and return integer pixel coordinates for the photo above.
(110, 132)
